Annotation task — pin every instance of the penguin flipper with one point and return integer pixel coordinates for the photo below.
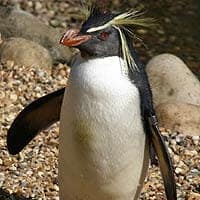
(37, 116)
(163, 158)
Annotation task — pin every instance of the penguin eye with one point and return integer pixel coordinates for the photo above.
(104, 35)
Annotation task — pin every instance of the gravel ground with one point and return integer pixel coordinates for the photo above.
(33, 173)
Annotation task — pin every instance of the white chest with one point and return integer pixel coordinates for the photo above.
(102, 141)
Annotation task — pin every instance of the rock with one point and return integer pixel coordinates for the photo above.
(176, 94)
(181, 117)
(18, 23)
(172, 81)
(196, 139)
(25, 53)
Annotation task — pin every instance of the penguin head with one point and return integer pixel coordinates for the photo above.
(107, 34)
(93, 39)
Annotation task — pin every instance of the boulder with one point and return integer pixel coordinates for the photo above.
(25, 53)
(17, 23)
(172, 81)
(180, 117)
(176, 94)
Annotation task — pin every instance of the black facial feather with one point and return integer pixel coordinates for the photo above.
(99, 47)
(97, 18)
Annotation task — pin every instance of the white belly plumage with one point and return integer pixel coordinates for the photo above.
(102, 142)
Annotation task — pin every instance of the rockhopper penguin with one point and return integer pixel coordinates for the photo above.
(107, 120)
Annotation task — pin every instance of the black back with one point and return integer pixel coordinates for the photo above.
(140, 79)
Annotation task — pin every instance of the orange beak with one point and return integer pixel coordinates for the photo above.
(72, 38)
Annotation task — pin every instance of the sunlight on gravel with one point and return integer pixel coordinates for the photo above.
(33, 173)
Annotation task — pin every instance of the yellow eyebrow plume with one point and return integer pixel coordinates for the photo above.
(130, 18)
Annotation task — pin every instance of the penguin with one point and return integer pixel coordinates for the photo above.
(107, 118)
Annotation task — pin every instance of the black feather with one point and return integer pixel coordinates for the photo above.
(140, 79)
(97, 18)
(34, 118)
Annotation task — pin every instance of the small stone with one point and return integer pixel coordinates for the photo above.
(179, 170)
(7, 162)
(13, 97)
(54, 23)
(37, 89)
(56, 187)
(13, 168)
(191, 153)
(195, 171)
(179, 139)
(167, 20)
(2, 178)
(29, 4)
(38, 5)
(51, 13)
(161, 32)
(40, 173)
(29, 173)
(10, 63)
(40, 73)
(196, 139)
(176, 158)
(63, 25)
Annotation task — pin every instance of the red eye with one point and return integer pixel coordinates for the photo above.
(104, 35)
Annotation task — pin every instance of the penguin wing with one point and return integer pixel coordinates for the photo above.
(37, 116)
(163, 158)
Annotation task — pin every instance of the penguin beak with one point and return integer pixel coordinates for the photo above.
(73, 38)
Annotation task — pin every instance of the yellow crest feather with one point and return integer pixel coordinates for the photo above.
(132, 18)
(126, 22)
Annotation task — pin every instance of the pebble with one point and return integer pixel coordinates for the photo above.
(9, 63)
(179, 139)
(38, 5)
(56, 188)
(190, 153)
(196, 139)
(56, 198)
(2, 178)
(13, 97)
(13, 168)
(179, 170)
(54, 23)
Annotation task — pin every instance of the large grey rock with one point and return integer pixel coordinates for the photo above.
(172, 81)
(181, 117)
(25, 53)
(18, 23)
(176, 94)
